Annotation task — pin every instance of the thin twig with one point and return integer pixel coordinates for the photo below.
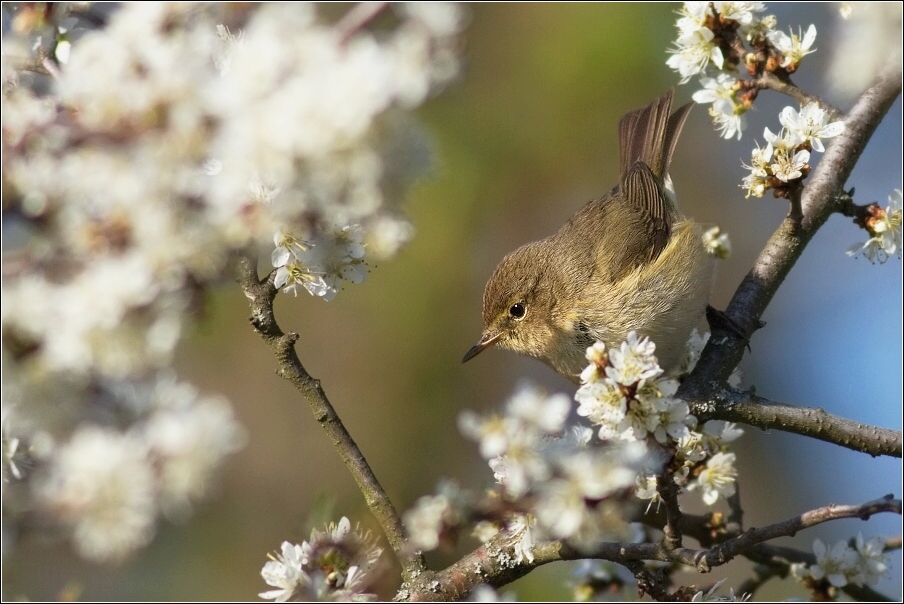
(355, 19)
(648, 582)
(260, 294)
(668, 491)
(735, 522)
(724, 552)
(783, 84)
(745, 407)
(495, 562)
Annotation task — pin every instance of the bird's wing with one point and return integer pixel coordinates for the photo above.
(643, 193)
(647, 139)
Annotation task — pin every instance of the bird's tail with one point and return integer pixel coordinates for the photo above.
(650, 134)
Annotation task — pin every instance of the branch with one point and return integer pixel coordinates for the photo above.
(724, 552)
(495, 563)
(668, 490)
(725, 348)
(778, 561)
(261, 294)
(782, 83)
(745, 407)
(357, 18)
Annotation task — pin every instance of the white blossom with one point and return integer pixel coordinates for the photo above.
(633, 399)
(710, 596)
(334, 565)
(727, 113)
(284, 572)
(742, 12)
(717, 479)
(693, 52)
(757, 182)
(794, 47)
(787, 167)
(811, 125)
(521, 527)
(634, 361)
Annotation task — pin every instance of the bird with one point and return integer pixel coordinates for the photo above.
(628, 261)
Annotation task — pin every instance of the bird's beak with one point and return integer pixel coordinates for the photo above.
(486, 340)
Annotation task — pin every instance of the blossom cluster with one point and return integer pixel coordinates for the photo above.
(321, 264)
(107, 486)
(785, 159)
(702, 32)
(884, 226)
(145, 143)
(712, 38)
(335, 565)
(842, 564)
(625, 392)
(553, 484)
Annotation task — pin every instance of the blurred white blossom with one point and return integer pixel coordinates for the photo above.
(717, 243)
(573, 490)
(164, 142)
(835, 565)
(872, 561)
(110, 485)
(867, 37)
(513, 443)
(102, 485)
(435, 517)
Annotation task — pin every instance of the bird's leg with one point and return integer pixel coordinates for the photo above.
(717, 319)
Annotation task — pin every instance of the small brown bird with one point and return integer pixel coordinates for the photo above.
(627, 261)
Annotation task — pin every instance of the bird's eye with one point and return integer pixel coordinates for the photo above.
(517, 311)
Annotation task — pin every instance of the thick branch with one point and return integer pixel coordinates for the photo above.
(261, 295)
(495, 563)
(744, 407)
(725, 349)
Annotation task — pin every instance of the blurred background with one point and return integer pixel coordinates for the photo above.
(524, 139)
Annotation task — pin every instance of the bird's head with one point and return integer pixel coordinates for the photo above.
(517, 305)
